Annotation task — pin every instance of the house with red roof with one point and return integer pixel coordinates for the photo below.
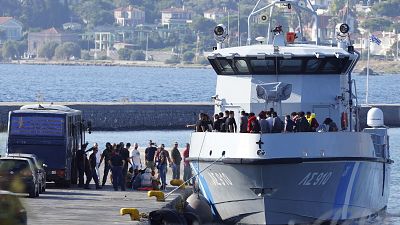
(10, 29)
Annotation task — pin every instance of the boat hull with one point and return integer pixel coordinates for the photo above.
(289, 191)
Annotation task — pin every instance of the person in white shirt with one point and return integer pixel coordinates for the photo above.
(135, 156)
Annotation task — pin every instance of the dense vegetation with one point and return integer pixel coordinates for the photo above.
(42, 14)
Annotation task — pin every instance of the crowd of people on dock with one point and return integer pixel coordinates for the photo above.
(124, 166)
(264, 122)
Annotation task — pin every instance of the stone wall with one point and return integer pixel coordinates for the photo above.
(129, 116)
(156, 116)
(391, 114)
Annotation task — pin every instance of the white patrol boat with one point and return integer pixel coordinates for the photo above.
(291, 178)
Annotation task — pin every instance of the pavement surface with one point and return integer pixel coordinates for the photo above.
(59, 206)
(80, 206)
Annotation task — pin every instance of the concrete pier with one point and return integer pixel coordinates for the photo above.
(78, 206)
(161, 115)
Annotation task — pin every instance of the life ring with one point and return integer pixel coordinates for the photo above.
(344, 121)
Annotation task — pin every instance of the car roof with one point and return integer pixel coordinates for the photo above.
(15, 158)
(23, 155)
(4, 192)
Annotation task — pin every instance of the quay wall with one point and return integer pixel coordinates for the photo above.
(161, 115)
(129, 116)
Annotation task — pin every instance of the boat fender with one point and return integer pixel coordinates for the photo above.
(198, 205)
(166, 216)
(344, 120)
(132, 212)
(158, 194)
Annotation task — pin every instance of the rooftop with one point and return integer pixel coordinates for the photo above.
(4, 19)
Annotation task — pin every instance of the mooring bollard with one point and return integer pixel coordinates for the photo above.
(158, 194)
(133, 212)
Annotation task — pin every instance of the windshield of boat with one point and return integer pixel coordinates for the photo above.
(280, 65)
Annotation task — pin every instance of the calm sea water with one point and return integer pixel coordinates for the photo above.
(138, 84)
(168, 137)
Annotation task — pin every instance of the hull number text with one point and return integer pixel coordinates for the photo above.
(316, 179)
(220, 179)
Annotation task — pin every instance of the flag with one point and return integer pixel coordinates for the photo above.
(375, 40)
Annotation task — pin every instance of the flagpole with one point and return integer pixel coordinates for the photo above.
(366, 92)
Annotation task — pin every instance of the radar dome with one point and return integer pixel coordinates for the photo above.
(375, 117)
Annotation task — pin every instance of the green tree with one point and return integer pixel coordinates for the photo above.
(188, 56)
(138, 55)
(124, 54)
(95, 12)
(390, 8)
(43, 13)
(10, 8)
(3, 35)
(68, 50)
(203, 25)
(10, 50)
(376, 24)
(173, 60)
(48, 50)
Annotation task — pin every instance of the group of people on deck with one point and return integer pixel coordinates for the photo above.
(264, 122)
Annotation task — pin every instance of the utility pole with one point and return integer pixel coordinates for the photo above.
(238, 22)
(367, 86)
(147, 48)
(397, 46)
(229, 38)
(197, 47)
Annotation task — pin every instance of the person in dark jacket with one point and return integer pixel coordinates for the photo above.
(289, 124)
(93, 173)
(124, 152)
(117, 164)
(277, 124)
(106, 155)
(224, 118)
(302, 124)
(217, 123)
(80, 164)
(243, 122)
(230, 123)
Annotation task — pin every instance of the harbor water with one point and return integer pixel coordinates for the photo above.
(24, 83)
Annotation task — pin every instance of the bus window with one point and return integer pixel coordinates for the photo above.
(35, 125)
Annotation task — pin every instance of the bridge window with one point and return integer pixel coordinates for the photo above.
(290, 65)
(224, 66)
(279, 65)
(263, 66)
(241, 66)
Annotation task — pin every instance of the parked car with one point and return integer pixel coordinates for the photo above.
(18, 175)
(12, 211)
(39, 168)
